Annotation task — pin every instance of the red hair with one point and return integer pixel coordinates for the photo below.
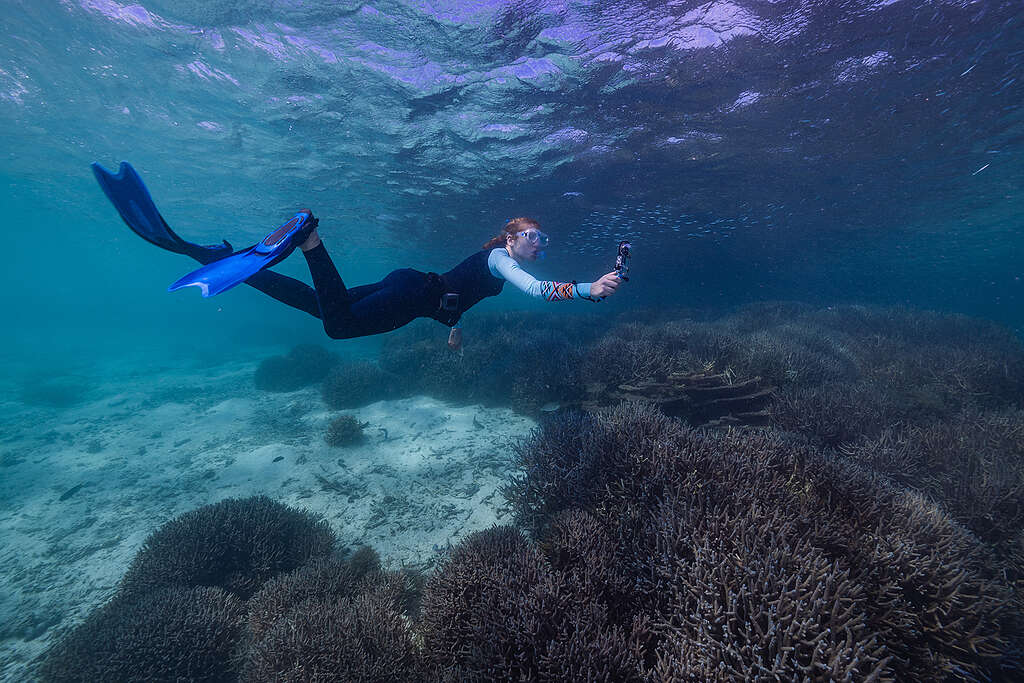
(516, 225)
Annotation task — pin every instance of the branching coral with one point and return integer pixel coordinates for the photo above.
(496, 610)
(972, 465)
(659, 552)
(167, 635)
(340, 631)
(745, 602)
(753, 555)
(329, 619)
(578, 545)
(635, 352)
(237, 544)
(833, 415)
(321, 579)
(575, 456)
(503, 364)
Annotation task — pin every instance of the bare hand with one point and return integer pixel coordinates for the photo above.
(606, 286)
(455, 339)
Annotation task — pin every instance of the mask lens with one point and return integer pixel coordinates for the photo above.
(535, 237)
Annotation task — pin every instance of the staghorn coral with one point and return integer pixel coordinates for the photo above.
(322, 579)
(237, 544)
(914, 326)
(578, 545)
(753, 555)
(329, 619)
(570, 461)
(364, 560)
(334, 619)
(972, 465)
(345, 430)
(467, 601)
(339, 632)
(357, 384)
(760, 315)
(794, 355)
(634, 352)
(745, 603)
(170, 634)
(495, 610)
(833, 415)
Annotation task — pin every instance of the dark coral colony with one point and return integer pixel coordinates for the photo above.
(782, 494)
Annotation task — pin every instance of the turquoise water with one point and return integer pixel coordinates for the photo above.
(765, 151)
(832, 154)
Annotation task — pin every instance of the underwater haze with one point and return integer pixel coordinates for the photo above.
(854, 151)
(824, 201)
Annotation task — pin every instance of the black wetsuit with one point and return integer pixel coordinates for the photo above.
(401, 297)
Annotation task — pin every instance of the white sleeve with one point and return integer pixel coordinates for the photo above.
(504, 266)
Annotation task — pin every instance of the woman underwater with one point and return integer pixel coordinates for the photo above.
(402, 296)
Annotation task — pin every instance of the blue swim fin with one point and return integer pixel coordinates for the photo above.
(235, 269)
(129, 195)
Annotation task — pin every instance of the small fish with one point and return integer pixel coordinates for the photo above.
(550, 407)
(279, 458)
(73, 490)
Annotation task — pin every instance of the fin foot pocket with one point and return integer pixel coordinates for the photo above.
(225, 273)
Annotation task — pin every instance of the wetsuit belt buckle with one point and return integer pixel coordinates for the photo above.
(450, 302)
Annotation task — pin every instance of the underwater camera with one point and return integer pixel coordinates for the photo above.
(622, 260)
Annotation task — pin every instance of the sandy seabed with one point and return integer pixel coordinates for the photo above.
(82, 487)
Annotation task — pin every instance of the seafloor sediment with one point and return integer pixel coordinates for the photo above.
(83, 485)
(783, 493)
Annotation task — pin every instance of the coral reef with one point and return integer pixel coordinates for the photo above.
(189, 608)
(704, 400)
(833, 415)
(352, 385)
(575, 457)
(305, 364)
(913, 368)
(237, 545)
(333, 620)
(361, 636)
(496, 610)
(170, 634)
(345, 430)
(634, 352)
(525, 360)
(743, 556)
(869, 529)
(971, 464)
(918, 365)
(323, 579)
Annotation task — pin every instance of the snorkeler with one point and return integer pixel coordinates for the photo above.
(402, 296)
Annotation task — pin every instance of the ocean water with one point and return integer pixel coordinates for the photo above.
(824, 203)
